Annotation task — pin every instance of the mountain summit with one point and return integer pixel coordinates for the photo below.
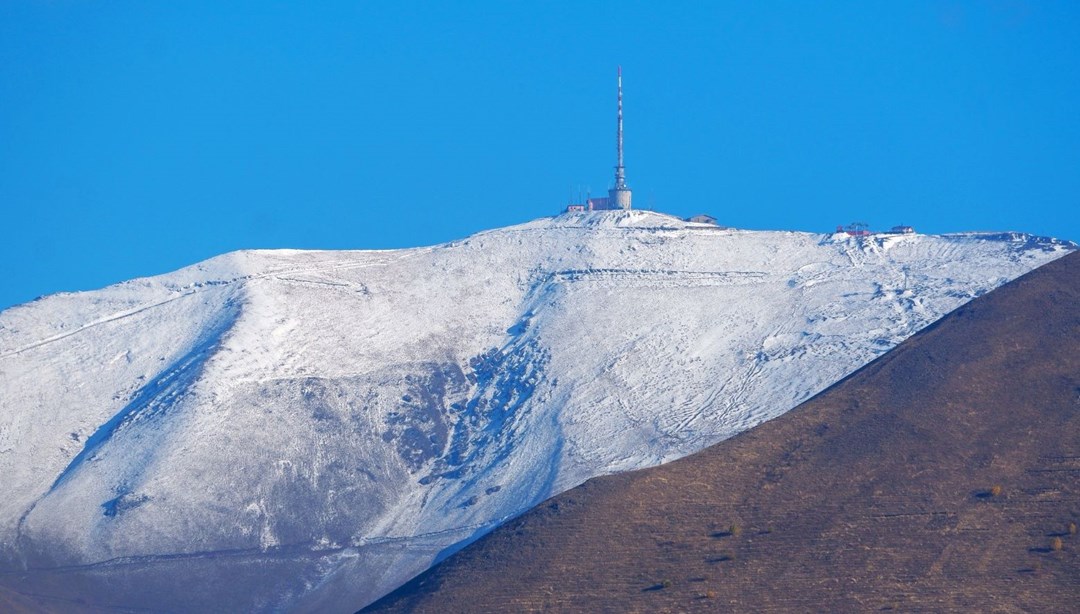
(288, 429)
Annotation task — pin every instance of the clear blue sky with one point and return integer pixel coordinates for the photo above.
(139, 137)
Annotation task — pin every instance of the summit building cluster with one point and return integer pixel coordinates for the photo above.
(620, 196)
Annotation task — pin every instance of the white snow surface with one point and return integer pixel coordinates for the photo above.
(307, 430)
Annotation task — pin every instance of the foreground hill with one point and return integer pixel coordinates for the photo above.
(944, 476)
(309, 430)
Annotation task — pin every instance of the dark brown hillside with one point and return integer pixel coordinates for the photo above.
(944, 476)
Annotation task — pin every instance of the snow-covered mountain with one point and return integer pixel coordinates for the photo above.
(307, 430)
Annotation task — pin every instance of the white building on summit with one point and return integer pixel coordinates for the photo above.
(619, 196)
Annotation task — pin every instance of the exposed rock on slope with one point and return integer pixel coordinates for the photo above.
(941, 477)
(291, 430)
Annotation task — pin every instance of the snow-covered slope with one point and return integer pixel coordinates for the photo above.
(307, 430)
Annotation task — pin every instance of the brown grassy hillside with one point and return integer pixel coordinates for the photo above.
(944, 476)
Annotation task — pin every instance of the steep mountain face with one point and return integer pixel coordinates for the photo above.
(942, 477)
(307, 430)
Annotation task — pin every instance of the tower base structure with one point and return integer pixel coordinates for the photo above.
(619, 198)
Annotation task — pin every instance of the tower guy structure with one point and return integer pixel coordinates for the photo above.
(618, 196)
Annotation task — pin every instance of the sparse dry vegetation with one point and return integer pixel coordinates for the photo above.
(854, 525)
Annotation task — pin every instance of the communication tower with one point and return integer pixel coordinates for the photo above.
(619, 196)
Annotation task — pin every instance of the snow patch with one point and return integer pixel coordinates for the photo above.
(309, 429)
